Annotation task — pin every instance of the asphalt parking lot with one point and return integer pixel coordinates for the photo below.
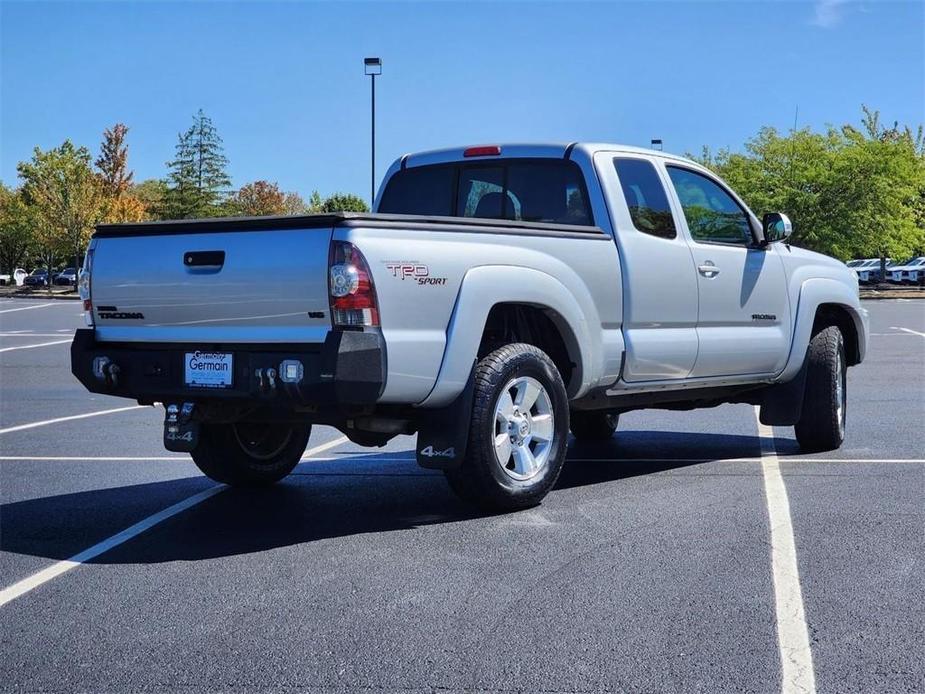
(649, 567)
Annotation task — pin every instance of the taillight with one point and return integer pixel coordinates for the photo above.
(350, 288)
(84, 287)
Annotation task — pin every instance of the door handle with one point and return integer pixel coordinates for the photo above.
(708, 269)
(206, 259)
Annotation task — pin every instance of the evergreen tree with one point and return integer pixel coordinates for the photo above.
(198, 177)
(315, 202)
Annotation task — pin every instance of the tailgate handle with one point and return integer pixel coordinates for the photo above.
(204, 258)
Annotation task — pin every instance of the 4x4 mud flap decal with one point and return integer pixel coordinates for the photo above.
(443, 432)
(181, 432)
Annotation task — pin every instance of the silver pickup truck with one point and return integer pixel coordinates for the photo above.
(500, 297)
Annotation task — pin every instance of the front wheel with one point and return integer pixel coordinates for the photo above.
(250, 454)
(822, 423)
(518, 431)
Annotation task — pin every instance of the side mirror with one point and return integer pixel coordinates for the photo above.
(776, 227)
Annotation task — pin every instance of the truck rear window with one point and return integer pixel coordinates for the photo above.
(530, 190)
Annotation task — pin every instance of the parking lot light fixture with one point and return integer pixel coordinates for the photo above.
(372, 67)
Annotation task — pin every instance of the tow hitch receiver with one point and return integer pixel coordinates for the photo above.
(181, 433)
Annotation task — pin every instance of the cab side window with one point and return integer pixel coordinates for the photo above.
(645, 197)
(713, 216)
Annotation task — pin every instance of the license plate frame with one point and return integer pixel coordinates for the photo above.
(207, 369)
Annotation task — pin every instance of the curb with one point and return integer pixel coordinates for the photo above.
(888, 295)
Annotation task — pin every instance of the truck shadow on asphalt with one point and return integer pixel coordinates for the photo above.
(352, 495)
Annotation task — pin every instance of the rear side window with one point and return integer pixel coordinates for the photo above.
(645, 197)
(531, 190)
(548, 191)
(426, 190)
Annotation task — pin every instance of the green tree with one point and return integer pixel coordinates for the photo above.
(343, 202)
(152, 193)
(67, 195)
(850, 192)
(198, 177)
(17, 229)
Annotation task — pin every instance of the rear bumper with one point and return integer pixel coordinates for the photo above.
(347, 369)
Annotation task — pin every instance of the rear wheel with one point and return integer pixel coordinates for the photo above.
(250, 454)
(822, 423)
(593, 425)
(518, 431)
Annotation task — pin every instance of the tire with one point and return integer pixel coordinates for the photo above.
(594, 425)
(499, 476)
(821, 426)
(250, 454)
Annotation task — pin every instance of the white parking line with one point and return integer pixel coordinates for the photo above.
(93, 458)
(29, 333)
(792, 634)
(27, 308)
(732, 460)
(908, 330)
(321, 448)
(352, 455)
(33, 425)
(40, 344)
(45, 575)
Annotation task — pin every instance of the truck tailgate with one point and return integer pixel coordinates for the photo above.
(233, 286)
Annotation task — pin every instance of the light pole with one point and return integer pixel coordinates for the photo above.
(373, 67)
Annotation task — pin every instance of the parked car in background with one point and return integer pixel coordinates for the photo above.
(67, 277)
(37, 278)
(877, 277)
(910, 272)
(16, 278)
(863, 269)
(869, 271)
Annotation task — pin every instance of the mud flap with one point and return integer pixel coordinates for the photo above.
(443, 433)
(181, 433)
(782, 405)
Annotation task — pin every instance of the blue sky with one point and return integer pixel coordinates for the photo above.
(284, 82)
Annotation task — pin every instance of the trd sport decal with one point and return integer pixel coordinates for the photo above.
(414, 271)
(764, 316)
